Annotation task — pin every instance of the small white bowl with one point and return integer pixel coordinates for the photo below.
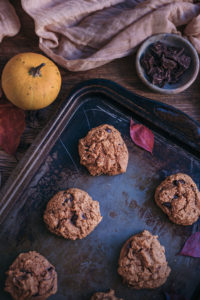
(187, 78)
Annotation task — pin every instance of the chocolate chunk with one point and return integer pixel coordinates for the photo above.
(108, 130)
(24, 276)
(167, 204)
(50, 269)
(128, 246)
(157, 48)
(69, 197)
(164, 64)
(184, 61)
(74, 219)
(139, 250)
(176, 182)
(168, 64)
(87, 147)
(83, 217)
(182, 181)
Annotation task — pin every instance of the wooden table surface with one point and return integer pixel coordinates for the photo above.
(121, 71)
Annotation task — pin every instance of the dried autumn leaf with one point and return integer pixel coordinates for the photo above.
(142, 136)
(192, 246)
(12, 125)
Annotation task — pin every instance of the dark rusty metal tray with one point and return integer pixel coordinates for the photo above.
(126, 201)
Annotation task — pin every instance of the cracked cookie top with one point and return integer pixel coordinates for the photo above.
(179, 198)
(105, 296)
(72, 214)
(142, 262)
(31, 276)
(103, 151)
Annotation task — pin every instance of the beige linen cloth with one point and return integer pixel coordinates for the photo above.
(84, 34)
(9, 22)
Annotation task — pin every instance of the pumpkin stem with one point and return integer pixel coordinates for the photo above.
(35, 72)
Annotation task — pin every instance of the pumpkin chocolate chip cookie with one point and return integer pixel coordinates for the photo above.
(103, 151)
(31, 276)
(179, 197)
(72, 214)
(105, 296)
(142, 262)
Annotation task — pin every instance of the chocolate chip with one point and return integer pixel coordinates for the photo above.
(26, 272)
(108, 130)
(176, 182)
(74, 219)
(50, 269)
(128, 247)
(87, 147)
(69, 197)
(83, 217)
(24, 276)
(135, 252)
(182, 181)
(35, 295)
(167, 204)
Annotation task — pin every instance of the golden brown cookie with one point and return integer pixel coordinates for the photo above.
(105, 296)
(72, 214)
(142, 262)
(179, 198)
(103, 151)
(31, 276)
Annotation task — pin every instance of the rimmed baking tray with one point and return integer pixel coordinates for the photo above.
(126, 201)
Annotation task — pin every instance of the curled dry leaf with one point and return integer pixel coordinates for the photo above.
(192, 246)
(142, 136)
(12, 125)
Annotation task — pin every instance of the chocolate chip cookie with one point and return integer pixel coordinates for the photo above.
(72, 214)
(103, 151)
(142, 262)
(105, 296)
(179, 197)
(31, 276)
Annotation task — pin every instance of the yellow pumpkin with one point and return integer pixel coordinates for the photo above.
(31, 81)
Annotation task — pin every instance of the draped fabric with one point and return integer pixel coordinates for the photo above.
(9, 22)
(84, 34)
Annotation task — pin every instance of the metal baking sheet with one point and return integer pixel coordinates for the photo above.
(126, 201)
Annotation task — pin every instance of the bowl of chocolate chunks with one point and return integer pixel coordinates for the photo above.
(167, 63)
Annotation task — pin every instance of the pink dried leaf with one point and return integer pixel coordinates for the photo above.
(192, 246)
(142, 136)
